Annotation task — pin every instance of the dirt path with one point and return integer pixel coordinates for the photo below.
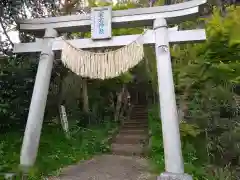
(108, 167)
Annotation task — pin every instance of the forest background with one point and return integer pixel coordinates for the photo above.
(207, 85)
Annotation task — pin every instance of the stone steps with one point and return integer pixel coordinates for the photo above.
(133, 131)
(138, 111)
(136, 123)
(139, 115)
(127, 149)
(129, 128)
(139, 118)
(130, 138)
(133, 134)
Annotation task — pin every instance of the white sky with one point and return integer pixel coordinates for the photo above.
(13, 36)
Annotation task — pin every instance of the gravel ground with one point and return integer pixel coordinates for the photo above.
(108, 167)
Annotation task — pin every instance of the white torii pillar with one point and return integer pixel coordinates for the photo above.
(38, 103)
(174, 166)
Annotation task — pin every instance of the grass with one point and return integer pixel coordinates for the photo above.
(55, 151)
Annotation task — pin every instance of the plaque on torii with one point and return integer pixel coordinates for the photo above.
(99, 22)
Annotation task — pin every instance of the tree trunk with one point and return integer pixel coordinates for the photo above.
(85, 96)
(119, 104)
(124, 110)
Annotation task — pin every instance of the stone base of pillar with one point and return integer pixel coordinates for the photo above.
(174, 176)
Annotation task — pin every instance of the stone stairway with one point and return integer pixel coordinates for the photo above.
(132, 137)
(124, 163)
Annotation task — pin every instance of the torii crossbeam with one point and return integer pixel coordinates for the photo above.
(161, 36)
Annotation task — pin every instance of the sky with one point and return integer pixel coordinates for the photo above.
(13, 36)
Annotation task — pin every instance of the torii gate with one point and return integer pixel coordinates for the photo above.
(161, 36)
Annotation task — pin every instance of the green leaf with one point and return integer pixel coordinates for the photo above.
(235, 35)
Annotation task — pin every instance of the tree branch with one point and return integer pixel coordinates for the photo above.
(5, 31)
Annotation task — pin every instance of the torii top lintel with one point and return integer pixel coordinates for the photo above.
(121, 18)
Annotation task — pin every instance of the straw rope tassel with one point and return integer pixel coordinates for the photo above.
(101, 65)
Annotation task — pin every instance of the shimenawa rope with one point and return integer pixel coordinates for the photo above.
(102, 65)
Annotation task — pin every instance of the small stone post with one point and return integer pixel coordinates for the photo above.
(38, 103)
(174, 167)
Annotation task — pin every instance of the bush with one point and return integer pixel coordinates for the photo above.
(157, 151)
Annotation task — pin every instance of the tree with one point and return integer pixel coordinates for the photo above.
(206, 77)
